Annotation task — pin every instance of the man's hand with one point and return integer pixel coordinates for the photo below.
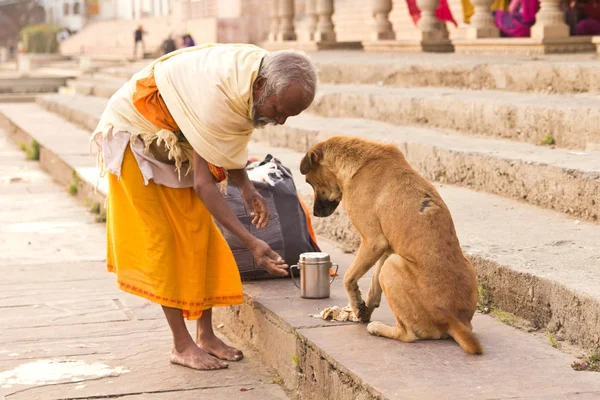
(257, 205)
(268, 259)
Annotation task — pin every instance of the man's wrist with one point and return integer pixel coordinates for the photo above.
(251, 243)
(248, 187)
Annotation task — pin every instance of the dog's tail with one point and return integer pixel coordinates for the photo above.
(464, 337)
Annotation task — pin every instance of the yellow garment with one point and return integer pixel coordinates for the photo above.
(501, 5)
(469, 9)
(164, 246)
(208, 91)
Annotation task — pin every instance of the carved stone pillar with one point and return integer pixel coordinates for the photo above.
(311, 15)
(482, 22)
(274, 27)
(137, 9)
(286, 20)
(382, 27)
(431, 29)
(325, 29)
(549, 21)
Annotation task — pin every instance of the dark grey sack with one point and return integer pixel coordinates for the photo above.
(287, 231)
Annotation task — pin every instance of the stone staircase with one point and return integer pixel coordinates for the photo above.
(526, 213)
(117, 38)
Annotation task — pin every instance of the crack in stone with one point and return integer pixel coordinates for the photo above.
(99, 336)
(61, 325)
(56, 384)
(119, 395)
(133, 355)
(128, 313)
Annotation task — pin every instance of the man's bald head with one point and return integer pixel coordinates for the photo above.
(285, 86)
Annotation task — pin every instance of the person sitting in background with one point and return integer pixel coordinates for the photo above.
(188, 41)
(588, 21)
(169, 45)
(518, 20)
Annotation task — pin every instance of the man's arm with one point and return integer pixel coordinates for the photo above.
(207, 191)
(240, 177)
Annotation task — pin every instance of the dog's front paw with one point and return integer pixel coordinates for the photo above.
(372, 328)
(362, 312)
(365, 316)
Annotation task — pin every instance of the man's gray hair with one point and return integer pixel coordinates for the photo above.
(280, 68)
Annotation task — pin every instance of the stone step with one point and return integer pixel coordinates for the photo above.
(571, 121)
(32, 84)
(553, 278)
(84, 111)
(551, 73)
(104, 88)
(557, 179)
(17, 97)
(64, 149)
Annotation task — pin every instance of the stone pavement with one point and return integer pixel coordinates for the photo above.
(67, 331)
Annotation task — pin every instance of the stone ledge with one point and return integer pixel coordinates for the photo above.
(311, 45)
(408, 46)
(528, 46)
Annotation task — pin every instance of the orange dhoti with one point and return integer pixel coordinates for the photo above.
(164, 246)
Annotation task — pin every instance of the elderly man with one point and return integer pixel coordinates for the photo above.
(166, 137)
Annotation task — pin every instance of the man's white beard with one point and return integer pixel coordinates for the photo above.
(261, 122)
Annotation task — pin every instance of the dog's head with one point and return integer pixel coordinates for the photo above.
(328, 194)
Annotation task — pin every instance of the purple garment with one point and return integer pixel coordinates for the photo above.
(189, 42)
(588, 27)
(518, 23)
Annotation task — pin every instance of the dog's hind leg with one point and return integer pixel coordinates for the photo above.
(396, 286)
(374, 295)
(368, 253)
(398, 332)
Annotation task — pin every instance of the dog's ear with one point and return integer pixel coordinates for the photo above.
(311, 160)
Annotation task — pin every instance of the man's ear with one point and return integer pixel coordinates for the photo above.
(311, 160)
(258, 85)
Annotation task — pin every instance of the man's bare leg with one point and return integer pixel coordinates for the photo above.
(210, 343)
(185, 352)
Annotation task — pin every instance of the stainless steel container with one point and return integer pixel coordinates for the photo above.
(314, 275)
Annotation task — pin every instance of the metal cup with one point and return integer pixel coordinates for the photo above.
(314, 275)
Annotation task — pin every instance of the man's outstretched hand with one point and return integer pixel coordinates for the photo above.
(268, 259)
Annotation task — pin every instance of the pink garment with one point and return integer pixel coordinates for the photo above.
(517, 22)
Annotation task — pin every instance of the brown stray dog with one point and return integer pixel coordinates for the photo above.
(407, 230)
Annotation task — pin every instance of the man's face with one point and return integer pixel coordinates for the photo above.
(275, 109)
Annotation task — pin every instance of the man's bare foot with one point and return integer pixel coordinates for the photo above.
(196, 358)
(215, 346)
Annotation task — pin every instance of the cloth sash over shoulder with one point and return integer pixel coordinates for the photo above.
(206, 91)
